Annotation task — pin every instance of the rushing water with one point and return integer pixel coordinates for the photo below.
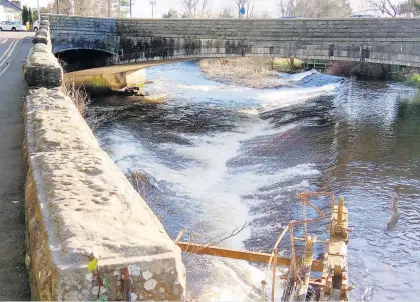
(219, 156)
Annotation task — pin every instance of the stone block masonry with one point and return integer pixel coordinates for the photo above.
(78, 203)
(375, 40)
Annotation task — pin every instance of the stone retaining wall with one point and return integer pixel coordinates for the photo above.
(78, 204)
(376, 40)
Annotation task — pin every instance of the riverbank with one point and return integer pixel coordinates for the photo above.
(256, 72)
(373, 71)
(248, 71)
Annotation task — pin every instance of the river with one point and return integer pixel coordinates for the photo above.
(220, 156)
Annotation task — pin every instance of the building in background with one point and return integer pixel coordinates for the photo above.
(17, 3)
(10, 11)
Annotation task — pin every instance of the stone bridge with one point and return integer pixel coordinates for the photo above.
(121, 41)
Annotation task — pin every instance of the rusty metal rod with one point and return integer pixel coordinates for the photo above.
(238, 254)
(273, 285)
(303, 239)
(263, 283)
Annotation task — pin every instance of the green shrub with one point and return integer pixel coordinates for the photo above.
(414, 79)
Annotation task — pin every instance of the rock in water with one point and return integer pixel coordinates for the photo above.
(392, 223)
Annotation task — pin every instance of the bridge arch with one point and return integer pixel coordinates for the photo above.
(73, 59)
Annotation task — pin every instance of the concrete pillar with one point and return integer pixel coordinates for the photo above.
(135, 77)
(104, 83)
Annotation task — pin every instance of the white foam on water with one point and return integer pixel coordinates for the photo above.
(251, 111)
(294, 77)
(212, 187)
(285, 97)
(185, 80)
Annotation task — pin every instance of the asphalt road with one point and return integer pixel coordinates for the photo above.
(14, 48)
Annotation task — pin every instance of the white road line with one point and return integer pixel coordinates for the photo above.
(4, 41)
(7, 51)
(10, 53)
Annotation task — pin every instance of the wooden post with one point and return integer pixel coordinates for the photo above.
(306, 269)
(292, 241)
(289, 290)
(335, 275)
(339, 227)
(395, 216)
(297, 287)
(179, 236)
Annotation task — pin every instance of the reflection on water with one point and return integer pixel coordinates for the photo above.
(222, 155)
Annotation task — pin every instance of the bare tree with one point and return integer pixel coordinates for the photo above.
(249, 8)
(88, 8)
(263, 15)
(226, 13)
(71, 7)
(204, 4)
(321, 8)
(171, 14)
(287, 7)
(190, 7)
(410, 8)
(385, 7)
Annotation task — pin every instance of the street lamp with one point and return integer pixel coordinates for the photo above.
(153, 3)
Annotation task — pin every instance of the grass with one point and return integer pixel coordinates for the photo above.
(414, 79)
(248, 71)
(284, 65)
(81, 100)
(78, 95)
(139, 85)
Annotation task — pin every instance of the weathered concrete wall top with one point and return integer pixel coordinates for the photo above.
(381, 40)
(78, 205)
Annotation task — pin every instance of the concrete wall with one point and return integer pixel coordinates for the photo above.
(382, 40)
(78, 204)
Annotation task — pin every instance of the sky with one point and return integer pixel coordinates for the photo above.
(143, 9)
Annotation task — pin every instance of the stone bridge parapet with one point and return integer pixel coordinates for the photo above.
(377, 40)
(80, 207)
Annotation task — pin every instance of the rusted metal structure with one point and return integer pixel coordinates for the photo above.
(298, 284)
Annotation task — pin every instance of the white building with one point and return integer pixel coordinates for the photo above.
(9, 11)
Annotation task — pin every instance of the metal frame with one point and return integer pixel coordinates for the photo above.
(273, 258)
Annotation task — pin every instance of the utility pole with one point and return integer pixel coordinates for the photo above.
(39, 13)
(131, 16)
(153, 3)
(58, 7)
